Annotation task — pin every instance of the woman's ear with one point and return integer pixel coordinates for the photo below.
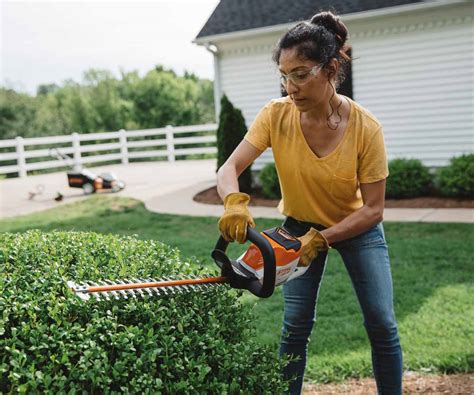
(332, 69)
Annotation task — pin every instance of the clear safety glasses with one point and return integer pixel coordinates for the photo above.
(300, 77)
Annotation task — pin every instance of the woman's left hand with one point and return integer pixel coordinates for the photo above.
(312, 242)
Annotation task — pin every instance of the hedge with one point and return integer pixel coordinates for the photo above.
(408, 178)
(269, 180)
(52, 341)
(457, 179)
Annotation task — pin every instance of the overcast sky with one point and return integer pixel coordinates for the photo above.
(50, 41)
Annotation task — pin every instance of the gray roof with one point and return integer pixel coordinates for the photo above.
(235, 15)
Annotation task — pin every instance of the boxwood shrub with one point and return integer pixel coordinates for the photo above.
(51, 341)
(457, 179)
(269, 179)
(408, 178)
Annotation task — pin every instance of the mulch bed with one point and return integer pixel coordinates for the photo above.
(210, 196)
(413, 383)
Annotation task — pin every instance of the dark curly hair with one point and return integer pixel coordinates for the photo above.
(321, 39)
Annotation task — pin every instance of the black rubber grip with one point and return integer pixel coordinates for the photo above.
(262, 289)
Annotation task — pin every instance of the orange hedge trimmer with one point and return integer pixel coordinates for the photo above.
(271, 260)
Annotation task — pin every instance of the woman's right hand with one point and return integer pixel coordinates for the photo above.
(236, 218)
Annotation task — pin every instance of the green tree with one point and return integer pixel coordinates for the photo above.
(102, 102)
(230, 133)
(17, 114)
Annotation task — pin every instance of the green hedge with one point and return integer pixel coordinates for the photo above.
(52, 341)
(408, 178)
(457, 179)
(269, 179)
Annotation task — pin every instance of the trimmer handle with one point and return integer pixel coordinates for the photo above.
(267, 286)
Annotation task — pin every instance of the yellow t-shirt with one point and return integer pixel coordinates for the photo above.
(320, 190)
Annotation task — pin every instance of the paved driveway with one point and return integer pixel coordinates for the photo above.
(146, 181)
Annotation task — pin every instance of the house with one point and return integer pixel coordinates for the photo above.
(412, 67)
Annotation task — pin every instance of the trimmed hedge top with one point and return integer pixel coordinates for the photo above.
(50, 340)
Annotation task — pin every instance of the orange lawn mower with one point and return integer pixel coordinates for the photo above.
(89, 182)
(271, 260)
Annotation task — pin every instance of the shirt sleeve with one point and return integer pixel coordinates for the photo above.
(373, 165)
(259, 132)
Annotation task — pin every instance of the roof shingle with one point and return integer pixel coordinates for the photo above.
(235, 15)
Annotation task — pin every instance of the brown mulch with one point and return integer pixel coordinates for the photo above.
(210, 196)
(413, 383)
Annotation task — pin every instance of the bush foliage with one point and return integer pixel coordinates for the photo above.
(52, 341)
(230, 133)
(408, 178)
(457, 179)
(269, 179)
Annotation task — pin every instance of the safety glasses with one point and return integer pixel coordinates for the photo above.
(300, 77)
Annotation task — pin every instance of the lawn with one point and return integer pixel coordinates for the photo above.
(432, 274)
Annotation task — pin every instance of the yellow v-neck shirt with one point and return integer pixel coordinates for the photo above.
(320, 190)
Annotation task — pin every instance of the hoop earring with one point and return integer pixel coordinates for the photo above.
(332, 109)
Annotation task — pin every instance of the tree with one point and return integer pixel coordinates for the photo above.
(102, 102)
(17, 114)
(230, 133)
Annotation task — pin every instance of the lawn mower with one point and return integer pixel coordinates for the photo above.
(271, 260)
(79, 177)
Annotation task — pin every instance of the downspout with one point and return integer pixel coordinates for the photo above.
(217, 80)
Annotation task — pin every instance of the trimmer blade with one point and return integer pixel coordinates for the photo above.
(132, 288)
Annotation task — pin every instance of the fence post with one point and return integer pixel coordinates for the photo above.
(76, 145)
(169, 143)
(123, 146)
(20, 150)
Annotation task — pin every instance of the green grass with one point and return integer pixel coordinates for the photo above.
(432, 273)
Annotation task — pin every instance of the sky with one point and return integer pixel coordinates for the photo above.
(43, 42)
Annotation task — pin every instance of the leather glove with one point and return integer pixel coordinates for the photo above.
(233, 223)
(312, 243)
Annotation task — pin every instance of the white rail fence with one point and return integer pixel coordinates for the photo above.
(164, 143)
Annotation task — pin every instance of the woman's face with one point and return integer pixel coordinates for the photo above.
(305, 80)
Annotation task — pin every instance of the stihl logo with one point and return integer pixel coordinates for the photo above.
(286, 235)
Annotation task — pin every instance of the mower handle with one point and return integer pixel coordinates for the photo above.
(262, 290)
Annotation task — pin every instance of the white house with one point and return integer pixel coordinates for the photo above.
(412, 68)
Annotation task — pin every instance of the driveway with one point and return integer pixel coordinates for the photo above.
(146, 181)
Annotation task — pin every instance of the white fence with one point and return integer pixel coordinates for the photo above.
(120, 146)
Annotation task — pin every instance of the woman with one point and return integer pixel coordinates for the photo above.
(330, 157)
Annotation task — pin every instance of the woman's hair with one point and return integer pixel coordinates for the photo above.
(321, 39)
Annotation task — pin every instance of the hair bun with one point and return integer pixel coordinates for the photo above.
(332, 23)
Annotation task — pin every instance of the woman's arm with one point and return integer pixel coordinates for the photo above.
(370, 214)
(238, 161)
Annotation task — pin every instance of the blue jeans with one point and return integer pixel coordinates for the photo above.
(367, 262)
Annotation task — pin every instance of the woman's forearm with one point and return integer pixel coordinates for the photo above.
(227, 181)
(354, 224)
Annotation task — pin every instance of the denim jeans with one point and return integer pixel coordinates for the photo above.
(367, 262)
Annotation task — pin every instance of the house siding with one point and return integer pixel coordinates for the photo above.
(250, 79)
(412, 71)
(415, 74)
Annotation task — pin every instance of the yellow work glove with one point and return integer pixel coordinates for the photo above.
(233, 223)
(312, 243)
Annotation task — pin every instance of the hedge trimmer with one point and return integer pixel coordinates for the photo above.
(271, 260)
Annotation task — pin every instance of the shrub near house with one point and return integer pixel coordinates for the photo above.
(52, 341)
(408, 178)
(457, 179)
(230, 133)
